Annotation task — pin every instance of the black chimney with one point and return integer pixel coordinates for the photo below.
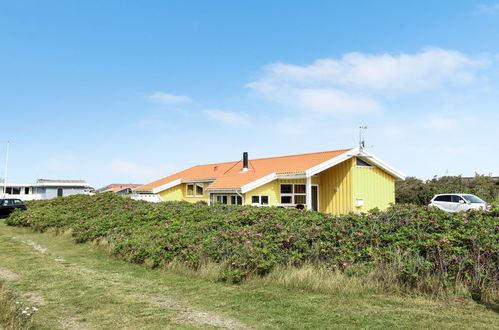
(245, 161)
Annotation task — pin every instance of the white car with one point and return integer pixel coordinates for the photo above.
(457, 202)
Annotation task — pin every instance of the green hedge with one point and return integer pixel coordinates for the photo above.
(424, 247)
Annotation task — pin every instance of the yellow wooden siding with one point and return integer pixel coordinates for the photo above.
(270, 189)
(179, 193)
(273, 190)
(335, 188)
(375, 186)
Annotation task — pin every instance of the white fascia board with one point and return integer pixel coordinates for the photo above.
(167, 186)
(332, 162)
(285, 176)
(257, 183)
(224, 191)
(379, 163)
(198, 180)
(352, 153)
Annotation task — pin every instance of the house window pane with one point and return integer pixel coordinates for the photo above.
(8, 190)
(190, 190)
(255, 199)
(264, 200)
(286, 199)
(300, 188)
(16, 191)
(300, 199)
(236, 200)
(199, 190)
(26, 191)
(222, 199)
(286, 189)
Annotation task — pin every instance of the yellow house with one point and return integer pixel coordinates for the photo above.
(336, 182)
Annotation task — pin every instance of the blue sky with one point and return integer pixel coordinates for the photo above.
(127, 91)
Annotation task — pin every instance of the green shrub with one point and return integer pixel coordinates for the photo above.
(417, 247)
(415, 191)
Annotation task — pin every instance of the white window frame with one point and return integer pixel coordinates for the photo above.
(292, 194)
(194, 190)
(260, 200)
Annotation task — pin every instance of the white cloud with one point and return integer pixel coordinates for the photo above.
(168, 99)
(228, 117)
(134, 170)
(442, 123)
(349, 85)
(327, 101)
(297, 127)
(487, 9)
(152, 124)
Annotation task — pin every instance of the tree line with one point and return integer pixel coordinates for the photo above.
(417, 191)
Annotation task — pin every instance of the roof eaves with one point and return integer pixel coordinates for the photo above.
(331, 162)
(168, 185)
(259, 182)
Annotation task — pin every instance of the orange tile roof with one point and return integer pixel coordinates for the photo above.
(229, 176)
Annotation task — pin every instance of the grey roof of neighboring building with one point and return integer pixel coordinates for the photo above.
(61, 181)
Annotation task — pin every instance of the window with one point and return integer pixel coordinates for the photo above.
(362, 163)
(18, 202)
(222, 199)
(8, 190)
(199, 190)
(443, 198)
(473, 199)
(286, 188)
(7, 202)
(26, 190)
(236, 200)
(190, 190)
(456, 199)
(16, 191)
(294, 193)
(196, 188)
(260, 200)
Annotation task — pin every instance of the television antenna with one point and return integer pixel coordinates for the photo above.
(362, 143)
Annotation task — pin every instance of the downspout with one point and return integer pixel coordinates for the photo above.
(242, 197)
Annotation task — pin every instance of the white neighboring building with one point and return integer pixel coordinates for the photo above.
(44, 189)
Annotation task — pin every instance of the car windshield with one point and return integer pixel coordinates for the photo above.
(473, 199)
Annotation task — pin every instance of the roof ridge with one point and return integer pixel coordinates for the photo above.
(253, 159)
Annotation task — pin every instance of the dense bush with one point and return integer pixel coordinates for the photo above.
(419, 192)
(420, 247)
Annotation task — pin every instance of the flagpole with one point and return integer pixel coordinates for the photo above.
(6, 169)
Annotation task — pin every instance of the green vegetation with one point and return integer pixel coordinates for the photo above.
(405, 249)
(76, 286)
(415, 191)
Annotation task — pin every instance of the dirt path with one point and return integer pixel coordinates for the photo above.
(80, 288)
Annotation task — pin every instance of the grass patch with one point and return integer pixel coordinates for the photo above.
(86, 288)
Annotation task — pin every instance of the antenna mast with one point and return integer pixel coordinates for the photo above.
(6, 168)
(361, 140)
